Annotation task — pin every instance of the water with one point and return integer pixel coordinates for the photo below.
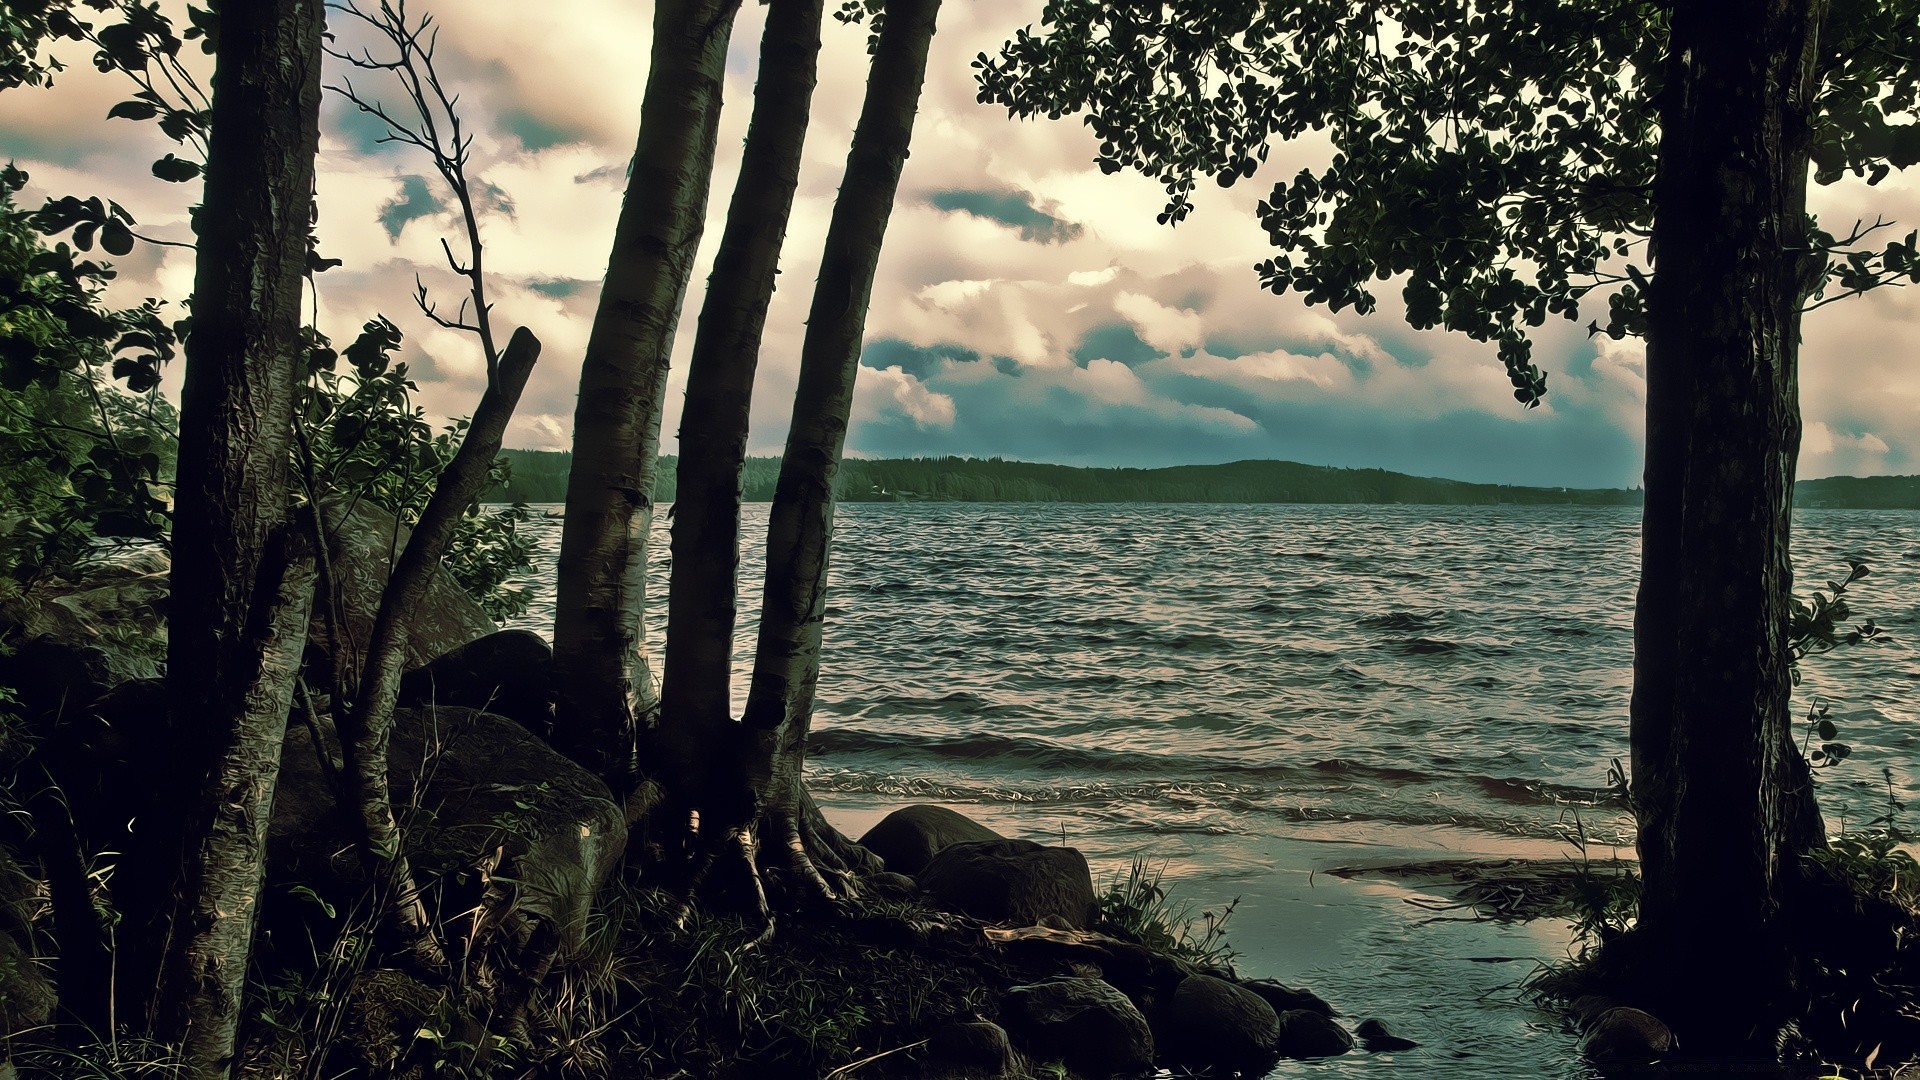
(1252, 695)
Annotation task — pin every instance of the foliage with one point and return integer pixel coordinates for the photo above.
(362, 437)
(1495, 160)
(1875, 860)
(1137, 907)
(1815, 628)
(82, 461)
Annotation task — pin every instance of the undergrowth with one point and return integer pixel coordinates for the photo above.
(1136, 907)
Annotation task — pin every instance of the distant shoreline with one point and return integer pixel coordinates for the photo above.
(540, 476)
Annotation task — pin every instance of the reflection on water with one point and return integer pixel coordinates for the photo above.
(1252, 692)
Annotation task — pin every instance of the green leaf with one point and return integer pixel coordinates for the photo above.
(176, 170)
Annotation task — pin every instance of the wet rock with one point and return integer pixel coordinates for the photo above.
(910, 836)
(1213, 1022)
(1626, 1036)
(1016, 881)
(508, 673)
(493, 796)
(978, 1050)
(1305, 1033)
(1378, 1038)
(1286, 998)
(1083, 1023)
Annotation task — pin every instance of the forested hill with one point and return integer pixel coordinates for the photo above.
(541, 476)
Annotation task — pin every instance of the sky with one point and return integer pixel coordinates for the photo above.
(1027, 305)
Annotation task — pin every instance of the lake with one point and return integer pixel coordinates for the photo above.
(1250, 696)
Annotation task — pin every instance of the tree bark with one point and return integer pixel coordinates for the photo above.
(1723, 800)
(702, 601)
(605, 684)
(793, 604)
(244, 359)
(368, 727)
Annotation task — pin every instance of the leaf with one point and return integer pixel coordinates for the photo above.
(176, 170)
(116, 238)
(133, 110)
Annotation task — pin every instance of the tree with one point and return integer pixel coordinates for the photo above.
(605, 685)
(1510, 163)
(241, 575)
(702, 599)
(786, 664)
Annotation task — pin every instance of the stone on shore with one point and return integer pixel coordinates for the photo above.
(1378, 1038)
(976, 1050)
(1285, 998)
(912, 835)
(1011, 881)
(1305, 1033)
(508, 673)
(1213, 1022)
(362, 545)
(1626, 1036)
(1085, 1024)
(494, 797)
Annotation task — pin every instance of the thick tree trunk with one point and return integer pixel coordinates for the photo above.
(368, 727)
(605, 685)
(1723, 800)
(800, 532)
(702, 602)
(244, 359)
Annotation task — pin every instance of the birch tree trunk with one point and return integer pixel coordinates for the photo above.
(230, 616)
(800, 531)
(702, 602)
(604, 681)
(1724, 802)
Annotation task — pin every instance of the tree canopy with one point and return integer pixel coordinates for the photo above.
(1495, 160)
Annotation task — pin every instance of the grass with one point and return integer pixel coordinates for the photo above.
(1137, 907)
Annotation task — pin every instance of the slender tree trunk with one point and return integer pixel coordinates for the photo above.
(368, 728)
(793, 606)
(604, 682)
(1723, 800)
(702, 602)
(236, 416)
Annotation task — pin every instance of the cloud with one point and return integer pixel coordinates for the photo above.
(1014, 209)
(412, 203)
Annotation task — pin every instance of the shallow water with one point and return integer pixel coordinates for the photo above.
(1255, 694)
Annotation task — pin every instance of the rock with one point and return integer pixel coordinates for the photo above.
(1377, 1037)
(27, 997)
(1305, 1033)
(75, 640)
(893, 886)
(1015, 881)
(1626, 1036)
(362, 545)
(907, 838)
(978, 1050)
(1213, 1022)
(1587, 1008)
(492, 792)
(381, 1019)
(1084, 1023)
(508, 673)
(1286, 998)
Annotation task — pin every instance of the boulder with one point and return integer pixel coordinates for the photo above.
(1378, 1038)
(27, 997)
(1626, 1036)
(75, 640)
(1083, 1023)
(1286, 998)
(363, 543)
(1305, 1033)
(1213, 1022)
(977, 1050)
(471, 790)
(508, 673)
(1015, 881)
(907, 838)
